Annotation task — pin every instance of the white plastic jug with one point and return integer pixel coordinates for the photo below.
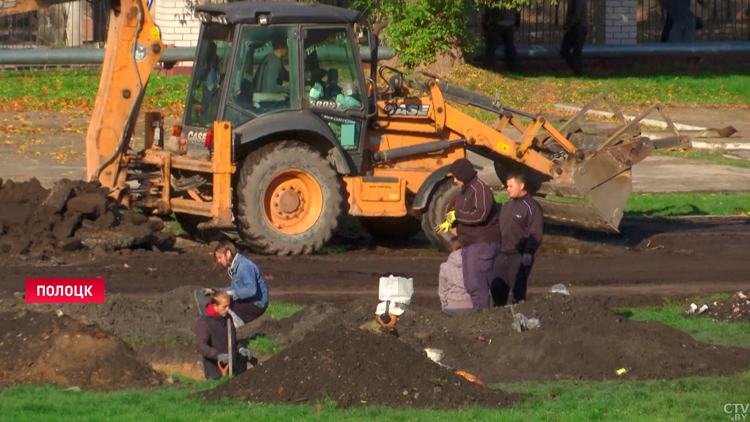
(396, 289)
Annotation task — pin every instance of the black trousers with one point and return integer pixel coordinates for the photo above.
(494, 35)
(511, 276)
(246, 310)
(571, 48)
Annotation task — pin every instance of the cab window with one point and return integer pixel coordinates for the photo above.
(331, 78)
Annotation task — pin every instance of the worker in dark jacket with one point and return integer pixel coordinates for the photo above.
(521, 228)
(576, 29)
(477, 229)
(271, 73)
(213, 341)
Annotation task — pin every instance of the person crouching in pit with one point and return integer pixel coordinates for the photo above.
(451, 289)
(249, 290)
(213, 339)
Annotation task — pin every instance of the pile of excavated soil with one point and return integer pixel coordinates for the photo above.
(172, 314)
(355, 367)
(734, 308)
(578, 339)
(42, 348)
(72, 216)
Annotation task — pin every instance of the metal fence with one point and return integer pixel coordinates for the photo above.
(84, 23)
(542, 23)
(79, 23)
(721, 20)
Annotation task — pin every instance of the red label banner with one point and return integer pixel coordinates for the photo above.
(64, 290)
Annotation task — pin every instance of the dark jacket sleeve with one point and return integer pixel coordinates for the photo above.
(536, 229)
(479, 203)
(202, 337)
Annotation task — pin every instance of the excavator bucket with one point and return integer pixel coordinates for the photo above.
(605, 175)
(602, 212)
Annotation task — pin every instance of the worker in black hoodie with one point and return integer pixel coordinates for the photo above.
(213, 342)
(521, 227)
(478, 232)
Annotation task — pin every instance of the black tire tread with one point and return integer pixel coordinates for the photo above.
(250, 225)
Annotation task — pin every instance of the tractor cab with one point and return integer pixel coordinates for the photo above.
(265, 65)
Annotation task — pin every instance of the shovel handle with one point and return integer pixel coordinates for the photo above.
(230, 351)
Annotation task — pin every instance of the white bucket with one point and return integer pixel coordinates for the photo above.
(396, 289)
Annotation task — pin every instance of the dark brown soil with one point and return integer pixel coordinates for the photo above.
(169, 315)
(578, 339)
(355, 367)
(42, 348)
(70, 217)
(734, 308)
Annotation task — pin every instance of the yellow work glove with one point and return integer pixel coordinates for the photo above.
(446, 225)
(451, 216)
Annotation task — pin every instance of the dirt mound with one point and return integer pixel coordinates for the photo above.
(42, 348)
(355, 367)
(172, 314)
(72, 216)
(578, 339)
(734, 308)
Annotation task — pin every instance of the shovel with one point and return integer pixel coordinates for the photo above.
(518, 324)
(230, 351)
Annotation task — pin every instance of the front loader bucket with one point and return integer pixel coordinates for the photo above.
(602, 212)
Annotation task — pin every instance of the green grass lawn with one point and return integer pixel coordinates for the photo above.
(60, 90)
(75, 90)
(687, 204)
(695, 398)
(677, 204)
(688, 399)
(280, 310)
(700, 327)
(634, 84)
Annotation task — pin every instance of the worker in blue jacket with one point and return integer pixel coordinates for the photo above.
(249, 290)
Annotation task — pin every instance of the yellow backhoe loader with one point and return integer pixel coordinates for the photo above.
(286, 128)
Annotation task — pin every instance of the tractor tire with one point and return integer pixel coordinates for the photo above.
(289, 199)
(391, 228)
(189, 224)
(443, 199)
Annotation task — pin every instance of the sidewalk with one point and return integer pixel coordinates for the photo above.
(709, 117)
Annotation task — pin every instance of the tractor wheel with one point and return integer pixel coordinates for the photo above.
(289, 199)
(443, 199)
(189, 224)
(391, 228)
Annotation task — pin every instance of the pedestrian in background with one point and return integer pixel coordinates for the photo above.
(499, 27)
(576, 29)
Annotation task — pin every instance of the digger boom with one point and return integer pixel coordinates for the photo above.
(133, 50)
(595, 170)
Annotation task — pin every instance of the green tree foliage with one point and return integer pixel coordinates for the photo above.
(421, 29)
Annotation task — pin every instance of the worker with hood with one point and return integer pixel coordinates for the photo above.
(478, 231)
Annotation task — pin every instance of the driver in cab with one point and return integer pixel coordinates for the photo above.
(271, 73)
